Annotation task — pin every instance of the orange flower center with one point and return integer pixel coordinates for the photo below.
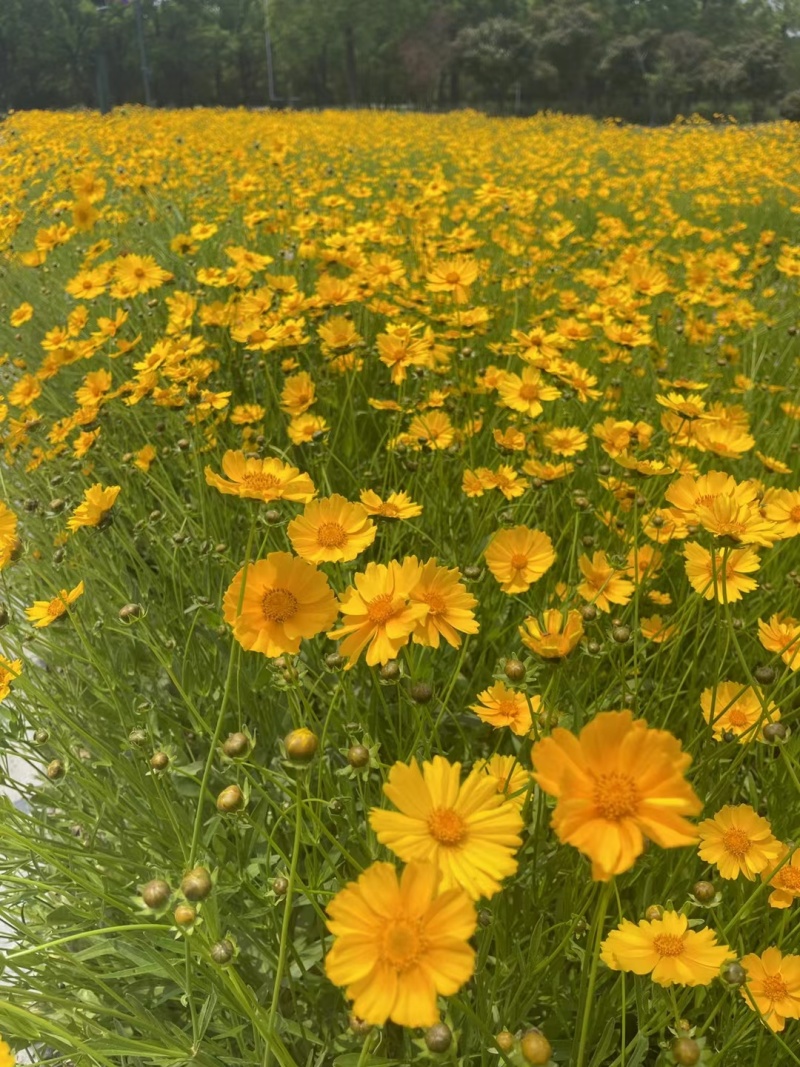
(56, 608)
(402, 944)
(736, 842)
(279, 605)
(737, 717)
(668, 944)
(259, 482)
(452, 277)
(331, 535)
(788, 878)
(706, 500)
(507, 708)
(774, 987)
(616, 796)
(794, 514)
(519, 561)
(528, 391)
(436, 603)
(447, 827)
(390, 511)
(380, 609)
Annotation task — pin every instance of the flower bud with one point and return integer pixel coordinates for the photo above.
(733, 974)
(159, 761)
(196, 884)
(184, 915)
(130, 612)
(504, 1040)
(334, 661)
(589, 612)
(438, 1037)
(272, 516)
(236, 745)
(221, 952)
(421, 692)
(358, 1026)
(390, 670)
(514, 670)
(621, 634)
(231, 799)
(358, 756)
(55, 770)
(535, 1047)
(472, 573)
(137, 738)
(280, 886)
(3, 615)
(704, 892)
(654, 913)
(686, 1051)
(775, 731)
(41, 737)
(764, 675)
(156, 893)
(301, 745)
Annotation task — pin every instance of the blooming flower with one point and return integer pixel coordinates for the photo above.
(395, 506)
(331, 529)
(738, 841)
(44, 612)
(782, 634)
(666, 949)
(400, 943)
(260, 479)
(727, 581)
(784, 876)
(10, 670)
(735, 709)
(467, 828)
(449, 606)
(555, 636)
(773, 986)
(501, 706)
(96, 504)
(518, 557)
(603, 585)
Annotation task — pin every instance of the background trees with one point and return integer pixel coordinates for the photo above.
(643, 60)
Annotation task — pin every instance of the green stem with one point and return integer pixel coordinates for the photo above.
(588, 1004)
(86, 933)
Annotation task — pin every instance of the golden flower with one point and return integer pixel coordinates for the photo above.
(260, 479)
(96, 504)
(7, 1057)
(783, 875)
(666, 949)
(518, 557)
(783, 508)
(782, 634)
(512, 780)
(735, 709)
(378, 611)
(305, 428)
(710, 579)
(432, 430)
(135, 274)
(565, 440)
(616, 783)
(285, 600)
(449, 606)
(738, 841)
(501, 706)
(398, 944)
(44, 612)
(688, 493)
(657, 630)
(773, 986)
(555, 636)
(525, 392)
(298, 394)
(467, 828)
(453, 276)
(20, 315)
(10, 670)
(743, 523)
(331, 529)
(603, 585)
(395, 506)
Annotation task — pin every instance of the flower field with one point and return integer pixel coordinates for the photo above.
(400, 590)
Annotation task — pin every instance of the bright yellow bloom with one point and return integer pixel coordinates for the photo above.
(773, 986)
(9, 542)
(657, 630)
(467, 828)
(449, 606)
(688, 493)
(96, 504)
(260, 479)
(298, 394)
(285, 600)
(331, 529)
(45, 612)
(708, 578)
(555, 636)
(378, 611)
(603, 585)
(782, 634)
(509, 776)
(453, 276)
(145, 457)
(20, 315)
(738, 841)
(783, 509)
(398, 944)
(10, 670)
(738, 710)
(518, 557)
(395, 506)
(616, 783)
(7, 1057)
(525, 393)
(501, 706)
(783, 874)
(666, 949)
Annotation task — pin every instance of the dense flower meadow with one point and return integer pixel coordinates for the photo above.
(400, 591)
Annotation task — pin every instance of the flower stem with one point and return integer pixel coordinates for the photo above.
(597, 928)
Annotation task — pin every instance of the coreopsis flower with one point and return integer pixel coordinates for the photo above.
(305, 428)
(378, 612)
(10, 670)
(616, 783)
(7, 1057)
(743, 523)
(450, 606)
(565, 440)
(644, 562)
(432, 430)
(395, 506)
(400, 943)
(525, 392)
(467, 828)
(260, 479)
(783, 509)
(555, 636)
(782, 634)
(509, 776)
(501, 706)
(657, 630)
(738, 841)
(20, 315)
(711, 579)
(773, 986)
(519, 557)
(331, 529)
(9, 542)
(453, 276)
(688, 493)
(604, 585)
(44, 612)
(144, 458)
(135, 274)
(783, 875)
(298, 394)
(740, 710)
(666, 949)
(401, 347)
(96, 504)
(284, 600)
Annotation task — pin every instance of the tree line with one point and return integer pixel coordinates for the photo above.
(641, 60)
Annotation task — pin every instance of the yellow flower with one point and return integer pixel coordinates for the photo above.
(737, 841)
(467, 828)
(616, 783)
(44, 612)
(783, 509)
(260, 479)
(739, 710)
(285, 600)
(96, 504)
(396, 505)
(453, 276)
(378, 611)
(331, 529)
(782, 634)
(10, 670)
(518, 557)
(708, 578)
(784, 876)
(657, 630)
(501, 706)
(20, 315)
(604, 585)
(666, 949)
(398, 944)
(7, 1057)
(555, 636)
(525, 393)
(143, 459)
(509, 776)
(449, 606)
(773, 986)
(298, 394)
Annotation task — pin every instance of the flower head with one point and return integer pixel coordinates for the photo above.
(782, 634)
(96, 504)
(512, 779)
(395, 506)
(518, 557)
(737, 841)
(727, 581)
(10, 670)
(260, 479)
(666, 949)
(736, 709)
(603, 585)
(501, 706)
(449, 605)
(400, 943)
(44, 612)
(555, 636)
(783, 874)
(773, 986)
(331, 529)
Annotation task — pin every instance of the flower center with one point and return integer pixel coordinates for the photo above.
(789, 878)
(519, 561)
(436, 603)
(616, 796)
(529, 391)
(278, 605)
(736, 842)
(794, 514)
(774, 987)
(402, 944)
(380, 609)
(668, 944)
(447, 827)
(56, 608)
(507, 708)
(390, 511)
(331, 535)
(737, 717)
(258, 482)
(452, 277)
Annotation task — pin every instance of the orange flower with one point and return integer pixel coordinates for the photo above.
(260, 479)
(518, 557)
(555, 636)
(604, 585)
